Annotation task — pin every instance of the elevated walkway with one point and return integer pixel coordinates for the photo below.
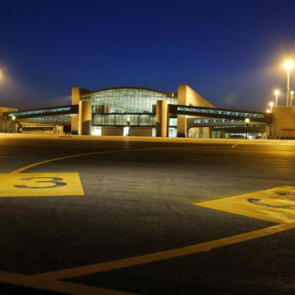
(234, 115)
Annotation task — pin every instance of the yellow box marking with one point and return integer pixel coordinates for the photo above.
(276, 205)
(41, 184)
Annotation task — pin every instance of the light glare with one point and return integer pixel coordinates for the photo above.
(289, 64)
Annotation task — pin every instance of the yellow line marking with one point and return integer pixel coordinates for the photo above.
(49, 281)
(4, 273)
(159, 256)
(42, 184)
(238, 143)
(275, 205)
(3, 178)
(64, 287)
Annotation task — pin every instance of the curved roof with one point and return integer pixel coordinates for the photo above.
(147, 89)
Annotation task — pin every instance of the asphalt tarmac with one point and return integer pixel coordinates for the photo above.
(107, 215)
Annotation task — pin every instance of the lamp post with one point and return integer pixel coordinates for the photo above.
(291, 97)
(247, 120)
(12, 122)
(128, 122)
(277, 93)
(288, 65)
(271, 104)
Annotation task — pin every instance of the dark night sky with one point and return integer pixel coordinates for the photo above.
(230, 52)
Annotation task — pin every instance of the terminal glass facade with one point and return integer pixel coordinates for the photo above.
(114, 106)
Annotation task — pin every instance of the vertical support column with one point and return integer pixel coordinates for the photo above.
(162, 118)
(85, 117)
(76, 96)
(206, 132)
(181, 119)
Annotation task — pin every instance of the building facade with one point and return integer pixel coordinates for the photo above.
(130, 111)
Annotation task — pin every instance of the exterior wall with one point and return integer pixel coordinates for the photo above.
(5, 123)
(217, 134)
(141, 131)
(76, 96)
(206, 132)
(187, 96)
(283, 119)
(85, 117)
(162, 118)
(200, 132)
(114, 131)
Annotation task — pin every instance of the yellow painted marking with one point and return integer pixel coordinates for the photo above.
(207, 246)
(4, 178)
(42, 184)
(49, 281)
(64, 287)
(238, 143)
(276, 205)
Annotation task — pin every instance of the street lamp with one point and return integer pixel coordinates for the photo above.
(277, 93)
(271, 104)
(247, 120)
(12, 122)
(128, 122)
(288, 65)
(291, 97)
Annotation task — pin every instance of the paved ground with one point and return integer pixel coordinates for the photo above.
(106, 215)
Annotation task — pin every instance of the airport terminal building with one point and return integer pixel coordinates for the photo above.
(133, 111)
(130, 111)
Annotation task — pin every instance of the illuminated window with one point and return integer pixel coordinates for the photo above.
(126, 100)
(220, 112)
(215, 120)
(50, 119)
(28, 113)
(221, 127)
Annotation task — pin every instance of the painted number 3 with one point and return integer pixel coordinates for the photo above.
(55, 180)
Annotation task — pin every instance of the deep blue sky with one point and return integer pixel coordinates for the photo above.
(229, 51)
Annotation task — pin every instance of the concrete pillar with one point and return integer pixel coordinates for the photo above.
(85, 117)
(181, 119)
(76, 96)
(162, 118)
(206, 132)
